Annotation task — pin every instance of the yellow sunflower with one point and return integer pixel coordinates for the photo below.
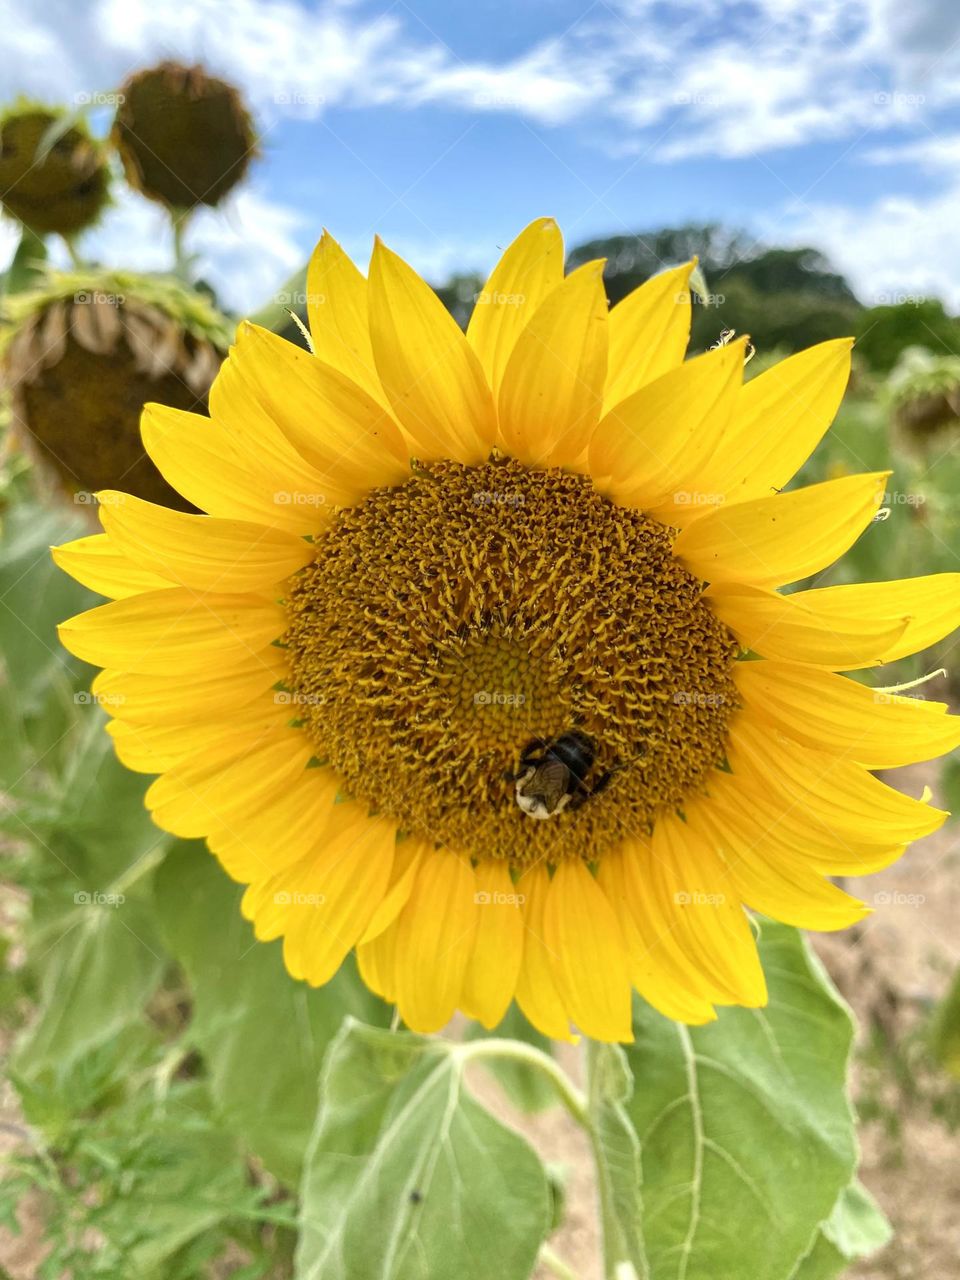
(478, 664)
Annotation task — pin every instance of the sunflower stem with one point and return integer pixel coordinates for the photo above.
(516, 1051)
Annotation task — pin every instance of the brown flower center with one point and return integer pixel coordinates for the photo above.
(448, 622)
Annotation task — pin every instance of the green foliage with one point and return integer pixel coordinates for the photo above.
(262, 1036)
(884, 333)
(408, 1178)
(855, 1229)
(745, 1130)
(789, 298)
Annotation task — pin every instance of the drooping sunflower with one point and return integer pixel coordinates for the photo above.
(478, 663)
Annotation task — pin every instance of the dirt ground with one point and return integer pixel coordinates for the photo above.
(891, 969)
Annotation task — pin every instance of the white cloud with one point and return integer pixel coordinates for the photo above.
(687, 79)
(896, 247)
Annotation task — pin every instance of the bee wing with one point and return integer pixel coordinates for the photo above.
(550, 782)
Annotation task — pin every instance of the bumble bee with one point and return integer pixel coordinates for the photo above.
(553, 774)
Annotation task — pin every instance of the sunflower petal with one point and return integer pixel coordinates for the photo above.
(767, 879)
(176, 699)
(779, 419)
(531, 267)
(403, 878)
(656, 968)
(217, 788)
(281, 832)
(537, 993)
(434, 939)
(772, 541)
(698, 905)
(490, 979)
(777, 626)
(589, 958)
(152, 748)
(350, 440)
(173, 631)
(649, 331)
(651, 445)
(98, 563)
(430, 373)
(835, 714)
(199, 458)
(205, 553)
(930, 604)
(778, 821)
(340, 886)
(552, 387)
(839, 799)
(337, 315)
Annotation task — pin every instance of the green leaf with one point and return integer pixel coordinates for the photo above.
(617, 1157)
(526, 1087)
(262, 1034)
(408, 1178)
(91, 943)
(745, 1128)
(855, 1229)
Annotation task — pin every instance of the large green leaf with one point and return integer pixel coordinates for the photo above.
(262, 1034)
(408, 1178)
(855, 1229)
(745, 1128)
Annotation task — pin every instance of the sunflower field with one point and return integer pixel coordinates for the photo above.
(460, 746)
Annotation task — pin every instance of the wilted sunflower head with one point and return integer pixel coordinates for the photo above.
(478, 661)
(185, 138)
(54, 180)
(82, 356)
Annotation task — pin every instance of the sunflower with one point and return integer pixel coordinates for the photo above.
(478, 663)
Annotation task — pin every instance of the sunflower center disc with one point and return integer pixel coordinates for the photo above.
(447, 622)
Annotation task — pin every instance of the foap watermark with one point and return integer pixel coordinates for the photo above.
(84, 498)
(706, 299)
(697, 498)
(495, 498)
(88, 699)
(299, 99)
(298, 298)
(894, 898)
(98, 898)
(284, 698)
(84, 99)
(694, 898)
(97, 298)
(292, 498)
(485, 899)
(297, 899)
(493, 297)
(498, 698)
(694, 698)
(683, 99)
(900, 299)
(899, 498)
(893, 98)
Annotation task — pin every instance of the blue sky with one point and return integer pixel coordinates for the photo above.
(446, 126)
